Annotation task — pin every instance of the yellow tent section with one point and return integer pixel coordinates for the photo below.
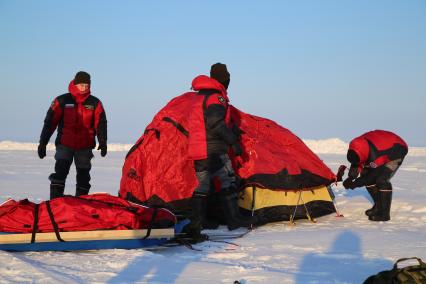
(287, 205)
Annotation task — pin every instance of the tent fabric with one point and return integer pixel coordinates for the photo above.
(285, 205)
(275, 158)
(85, 213)
(157, 170)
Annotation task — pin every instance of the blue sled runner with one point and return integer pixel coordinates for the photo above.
(88, 240)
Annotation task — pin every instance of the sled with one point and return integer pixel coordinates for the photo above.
(90, 222)
(87, 240)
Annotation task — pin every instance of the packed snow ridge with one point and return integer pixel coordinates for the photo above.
(325, 146)
(28, 146)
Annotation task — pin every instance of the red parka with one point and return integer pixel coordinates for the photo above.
(378, 147)
(209, 121)
(79, 117)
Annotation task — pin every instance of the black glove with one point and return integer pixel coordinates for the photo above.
(103, 148)
(353, 172)
(340, 172)
(348, 184)
(41, 150)
(238, 151)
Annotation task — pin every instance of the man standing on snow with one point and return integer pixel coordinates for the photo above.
(210, 137)
(79, 117)
(375, 156)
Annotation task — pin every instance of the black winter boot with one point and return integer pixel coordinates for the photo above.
(234, 219)
(210, 224)
(198, 206)
(79, 190)
(83, 181)
(212, 219)
(372, 190)
(56, 190)
(383, 206)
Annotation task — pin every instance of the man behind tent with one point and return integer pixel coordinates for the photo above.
(210, 137)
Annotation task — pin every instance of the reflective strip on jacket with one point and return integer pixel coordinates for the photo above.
(78, 118)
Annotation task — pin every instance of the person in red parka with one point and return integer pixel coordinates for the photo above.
(79, 117)
(375, 157)
(211, 135)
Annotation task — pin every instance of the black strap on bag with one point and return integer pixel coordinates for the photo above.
(151, 223)
(35, 224)
(411, 274)
(52, 220)
(395, 266)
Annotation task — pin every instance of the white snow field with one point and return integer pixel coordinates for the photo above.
(334, 250)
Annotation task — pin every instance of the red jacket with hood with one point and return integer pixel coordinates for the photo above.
(378, 147)
(79, 117)
(209, 121)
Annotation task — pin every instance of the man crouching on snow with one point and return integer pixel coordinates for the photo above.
(78, 117)
(375, 156)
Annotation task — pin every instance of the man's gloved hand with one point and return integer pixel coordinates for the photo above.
(353, 172)
(238, 151)
(348, 184)
(103, 148)
(41, 150)
(341, 172)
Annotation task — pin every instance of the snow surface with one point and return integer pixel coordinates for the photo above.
(325, 146)
(334, 250)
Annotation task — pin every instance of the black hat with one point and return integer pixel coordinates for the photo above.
(219, 72)
(352, 157)
(82, 78)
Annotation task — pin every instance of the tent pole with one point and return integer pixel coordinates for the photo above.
(338, 214)
(295, 208)
(307, 212)
(253, 203)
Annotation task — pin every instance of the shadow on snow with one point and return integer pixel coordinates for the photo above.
(343, 263)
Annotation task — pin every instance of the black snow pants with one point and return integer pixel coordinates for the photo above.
(64, 157)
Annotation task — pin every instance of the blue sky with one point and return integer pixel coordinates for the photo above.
(320, 68)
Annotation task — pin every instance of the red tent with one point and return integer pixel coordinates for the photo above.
(157, 171)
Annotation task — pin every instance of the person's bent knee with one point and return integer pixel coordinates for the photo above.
(383, 185)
